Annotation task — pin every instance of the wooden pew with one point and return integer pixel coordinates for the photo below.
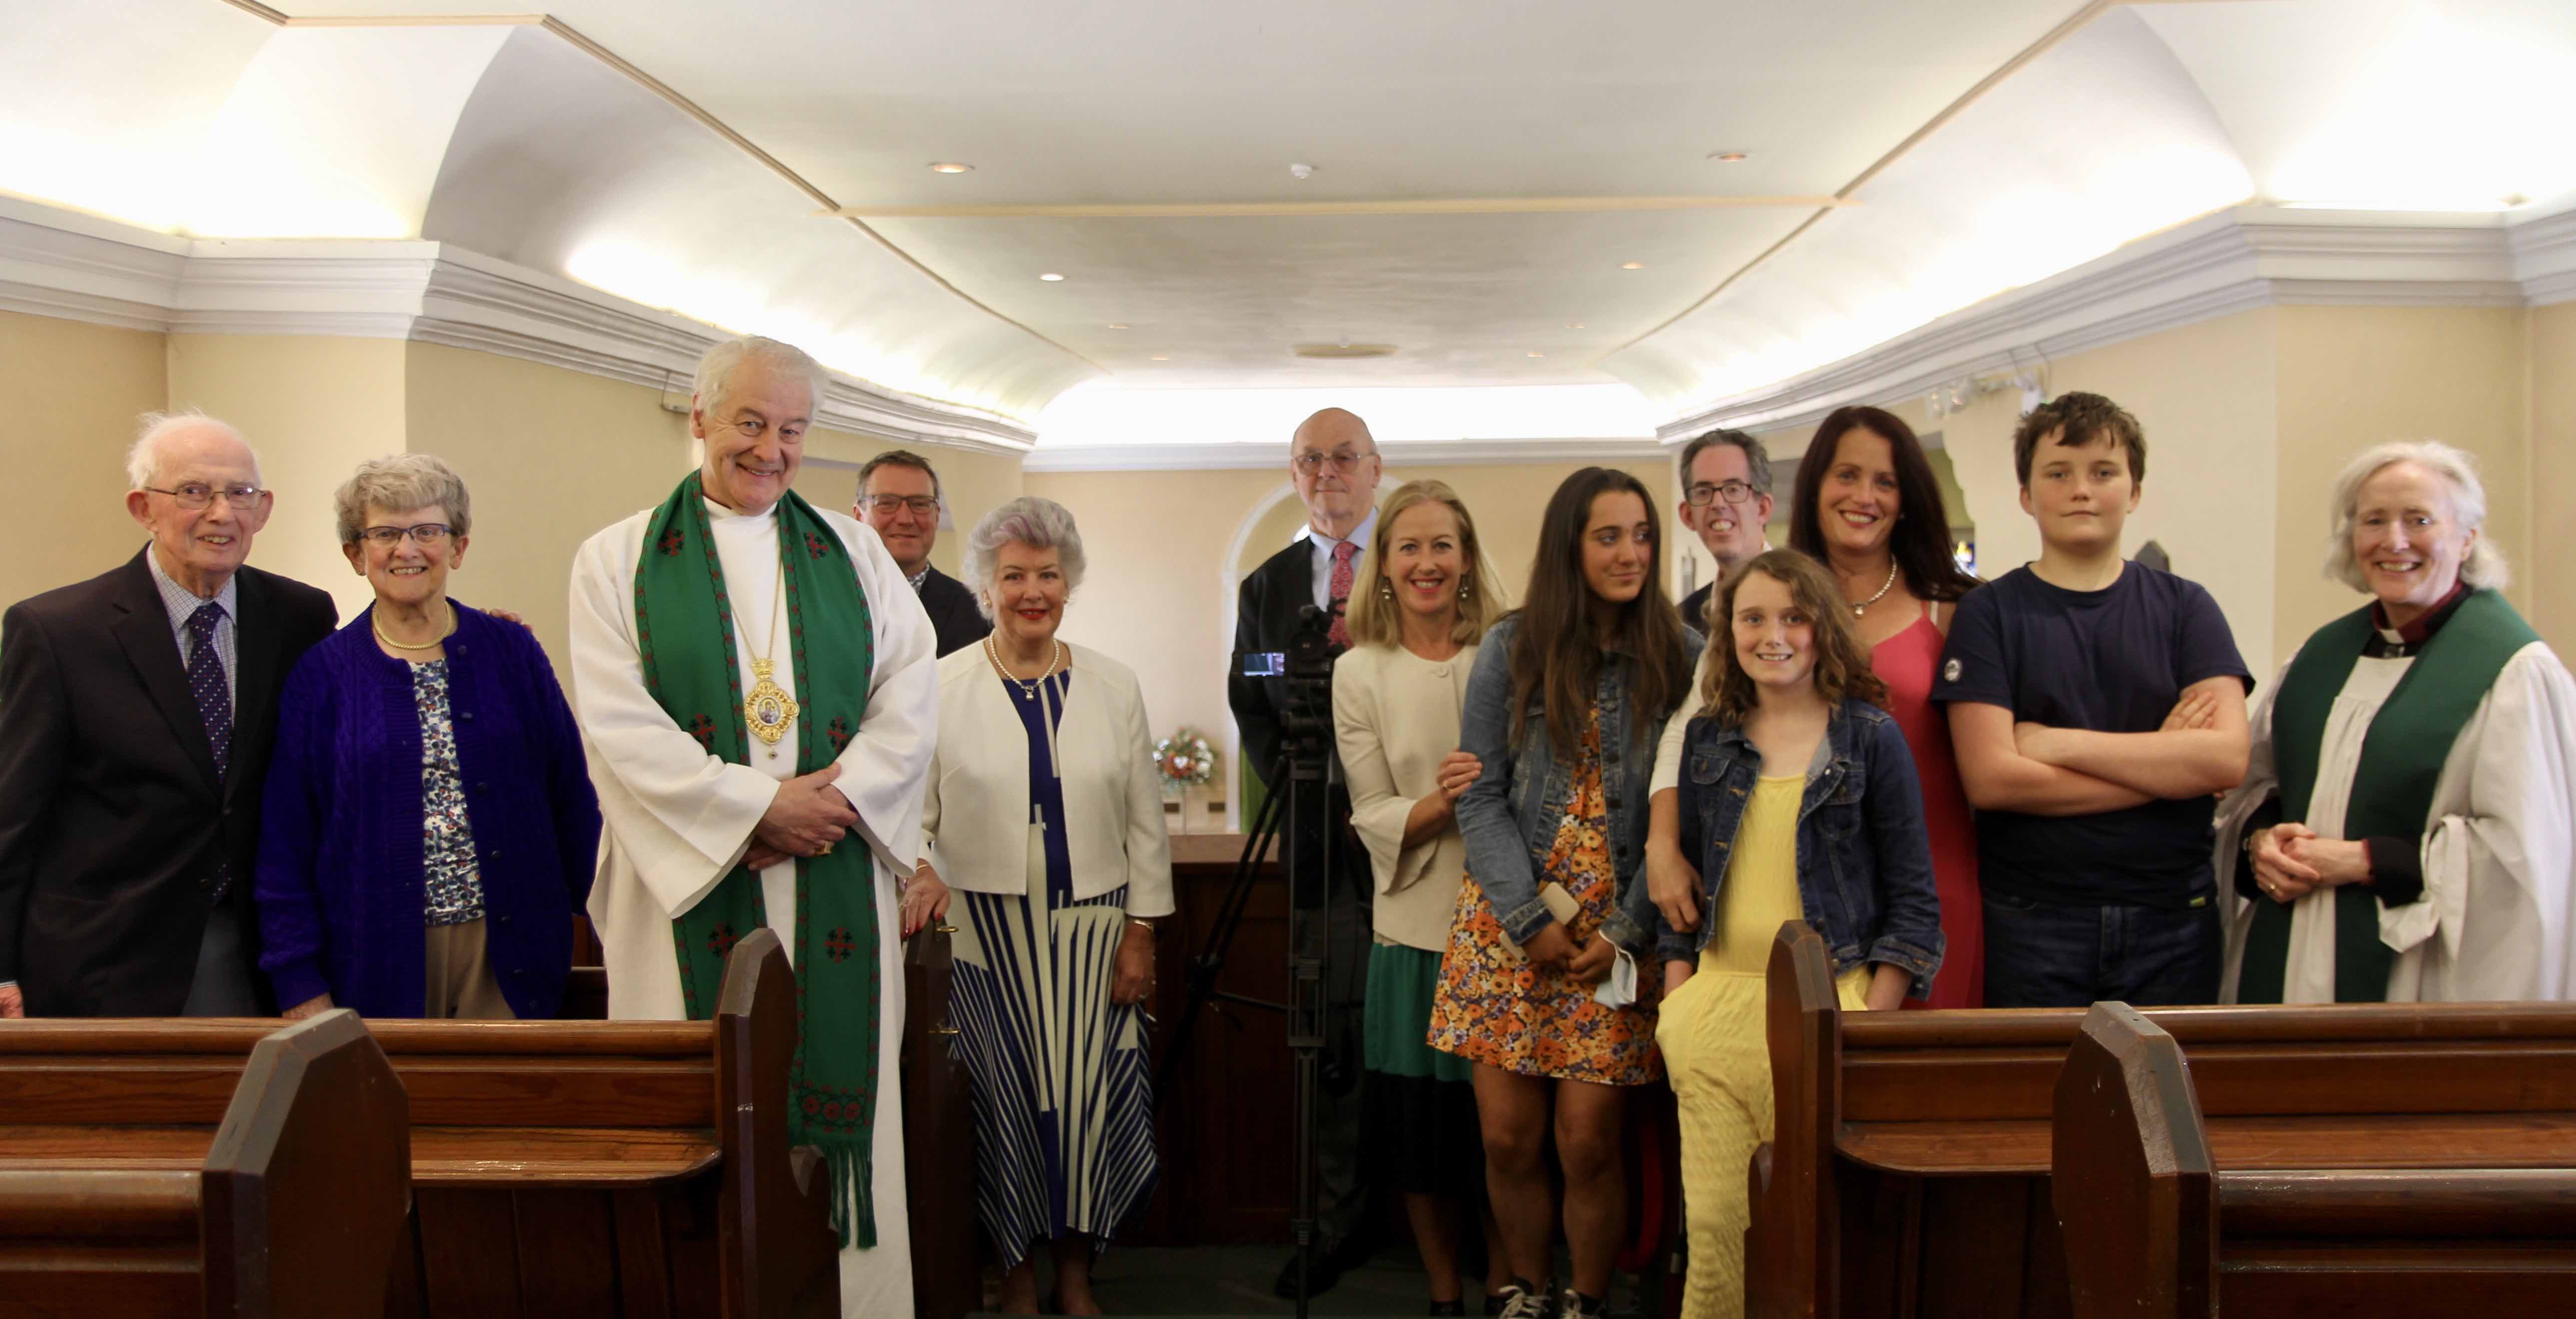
(563, 1170)
(2158, 1228)
(1908, 1173)
(290, 1210)
(938, 1137)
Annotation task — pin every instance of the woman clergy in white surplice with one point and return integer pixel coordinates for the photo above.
(2407, 827)
(1046, 818)
(755, 679)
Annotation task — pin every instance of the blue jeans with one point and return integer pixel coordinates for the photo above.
(2042, 955)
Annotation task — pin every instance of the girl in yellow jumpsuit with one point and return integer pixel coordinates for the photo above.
(1797, 801)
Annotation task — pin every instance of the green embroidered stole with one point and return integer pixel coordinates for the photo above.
(684, 628)
(2392, 790)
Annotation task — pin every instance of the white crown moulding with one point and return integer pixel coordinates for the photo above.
(2227, 262)
(76, 267)
(1225, 455)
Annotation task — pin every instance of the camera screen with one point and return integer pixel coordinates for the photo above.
(1265, 664)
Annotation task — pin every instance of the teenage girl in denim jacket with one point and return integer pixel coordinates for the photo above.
(1798, 802)
(1563, 710)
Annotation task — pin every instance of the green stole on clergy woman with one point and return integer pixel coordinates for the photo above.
(2392, 790)
(684, 627)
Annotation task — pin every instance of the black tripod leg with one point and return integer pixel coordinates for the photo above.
(1205, 967)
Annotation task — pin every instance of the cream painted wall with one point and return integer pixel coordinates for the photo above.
(2352, 377)
(315, 408)
(971, 484)
(2548, 572)
(73, 524)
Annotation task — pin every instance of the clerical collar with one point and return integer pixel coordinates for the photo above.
(2399, 642)
(918, 578)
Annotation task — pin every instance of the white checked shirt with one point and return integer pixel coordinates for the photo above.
(183, 604)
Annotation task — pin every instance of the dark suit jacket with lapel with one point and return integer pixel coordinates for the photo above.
(952, 611)
(111, 814)
(1265, 616)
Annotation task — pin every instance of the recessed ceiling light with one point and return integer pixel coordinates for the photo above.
(1159, 357)
(1624, 265)
(1726, 157)
(949, 167)
(1118, 325)
(1052, 278)
(1344, 349)
(1538, 354)
(1574, 325)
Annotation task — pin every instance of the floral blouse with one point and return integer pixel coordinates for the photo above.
(448, 869)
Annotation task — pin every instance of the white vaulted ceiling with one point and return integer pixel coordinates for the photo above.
(1513, 153)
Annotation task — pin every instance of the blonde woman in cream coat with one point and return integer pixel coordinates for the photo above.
(1421, 607)
(1045, 818)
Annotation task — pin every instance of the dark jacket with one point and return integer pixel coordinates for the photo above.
(112, 817)
(1864, 861)
(953, 614)
(341, 895)
(1265, 617)
(1510, 816)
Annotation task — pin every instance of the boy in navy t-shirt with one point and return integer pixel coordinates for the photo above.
(2096, 705)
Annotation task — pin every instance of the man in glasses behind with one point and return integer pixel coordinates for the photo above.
(1726, 498)
(899, 500)
(136, 714)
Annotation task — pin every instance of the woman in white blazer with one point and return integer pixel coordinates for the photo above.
(1421, 608)
(1045, 819)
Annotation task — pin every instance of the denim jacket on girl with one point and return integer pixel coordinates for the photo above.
(1509, 817)
(1864, 861)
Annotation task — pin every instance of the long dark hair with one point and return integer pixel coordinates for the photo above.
(1921, 542)
(1556, 652)
(1842, 663)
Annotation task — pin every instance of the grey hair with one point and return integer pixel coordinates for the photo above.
(143, 457)
(1040, 524)
(2484, 566)
(715, 370)
(402, 483)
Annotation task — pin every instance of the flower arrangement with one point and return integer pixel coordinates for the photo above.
(1184, 760)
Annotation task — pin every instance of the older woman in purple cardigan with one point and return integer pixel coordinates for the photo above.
(430, 829)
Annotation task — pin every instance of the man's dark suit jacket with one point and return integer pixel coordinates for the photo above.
(111, 815)
(952, 611)
(1265, 616)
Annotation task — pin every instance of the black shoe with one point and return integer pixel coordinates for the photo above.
(1330, 1264)
(1457, 1307)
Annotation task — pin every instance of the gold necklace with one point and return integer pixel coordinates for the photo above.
(378, 624)
(1883, 588)
(767, 710)
(1028, 686)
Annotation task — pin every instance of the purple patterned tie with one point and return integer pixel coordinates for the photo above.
(1343, 553)
(214, 704)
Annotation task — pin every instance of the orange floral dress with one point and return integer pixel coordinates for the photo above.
(1495, 1008)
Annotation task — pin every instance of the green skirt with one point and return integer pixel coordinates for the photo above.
(1397, 1024)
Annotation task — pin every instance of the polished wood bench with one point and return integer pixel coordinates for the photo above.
(559, 1169)
(2158, 1226)
(284, 1201)
(1908, 1174)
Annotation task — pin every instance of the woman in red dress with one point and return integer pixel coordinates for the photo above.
(1868, 507)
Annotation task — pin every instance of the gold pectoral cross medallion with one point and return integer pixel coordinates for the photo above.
(767, 710)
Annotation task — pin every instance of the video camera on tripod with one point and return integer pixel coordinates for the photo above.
(1298, 815)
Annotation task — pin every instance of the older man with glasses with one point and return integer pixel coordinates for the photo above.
(899, 500)
(1333, 462)
(137, 711)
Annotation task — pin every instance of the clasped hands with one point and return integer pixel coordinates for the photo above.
(2292, 861)
(1552, 946)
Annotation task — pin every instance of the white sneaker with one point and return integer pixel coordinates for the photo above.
(1519, 1303)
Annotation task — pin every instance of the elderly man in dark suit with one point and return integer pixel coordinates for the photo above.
(136, 712)
(1333, 461)
(899, 500)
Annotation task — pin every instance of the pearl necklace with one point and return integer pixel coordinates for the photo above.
(1028, 686)
(1883, 589)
